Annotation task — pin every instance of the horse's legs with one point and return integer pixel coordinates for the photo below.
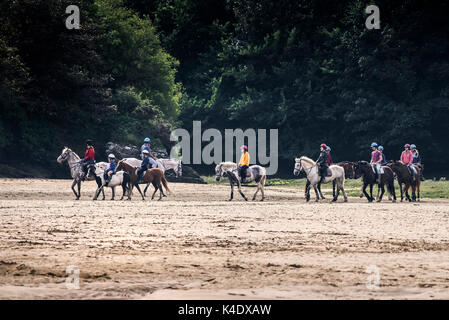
(79, 189)
(261, 189)
(73, 188)
(113, 193)
(155, 190)
(361, 192)
(371, 192)
(232, 189)
(307, 189)
(400, 189)
(333, 188)
(146, 188)
(418, 188)
(316, 193)
(160, 191)
(344, 193)
(338, 190)
(382, 187)
(257, 190)
(308, 193)
(364, 191)
(407, 196)
(140, 191)
(97, 193)
(319, 190)
(240, 191)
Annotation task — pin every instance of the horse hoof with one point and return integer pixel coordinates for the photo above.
(261, 199)
(346, 200)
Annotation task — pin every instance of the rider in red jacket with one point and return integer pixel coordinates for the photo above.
(89, 157)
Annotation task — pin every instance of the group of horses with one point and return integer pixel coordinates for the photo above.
(363, 169)
(126, 177)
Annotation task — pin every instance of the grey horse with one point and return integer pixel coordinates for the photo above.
(76, 169)
(230, 170)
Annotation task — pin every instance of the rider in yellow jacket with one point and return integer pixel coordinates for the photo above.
(244, 163)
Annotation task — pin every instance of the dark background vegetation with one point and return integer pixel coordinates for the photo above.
(142, 68)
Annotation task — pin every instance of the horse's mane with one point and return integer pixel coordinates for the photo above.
(308, 160)
(73, 152)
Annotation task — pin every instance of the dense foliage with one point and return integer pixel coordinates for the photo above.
(312, 69)
(308, 67)
(109, 80)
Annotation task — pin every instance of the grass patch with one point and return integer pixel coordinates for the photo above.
(429, 188)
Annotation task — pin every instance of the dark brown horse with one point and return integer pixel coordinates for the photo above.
(405, 178)
(154, 176)
(363, 169)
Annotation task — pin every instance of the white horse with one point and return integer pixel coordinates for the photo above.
(76, 168)
(163, 164)
(311, 169)
(230, 170)
(120, 178)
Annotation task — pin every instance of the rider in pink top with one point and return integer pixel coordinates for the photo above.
(407, 159)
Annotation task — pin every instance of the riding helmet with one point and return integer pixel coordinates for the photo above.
(328, 148)
(412, 146)
(145, 152)
(245, 147)
(374, 144)
(111, 156)
(406, 145)
(323, 145)
(381, 148)
(147, 140)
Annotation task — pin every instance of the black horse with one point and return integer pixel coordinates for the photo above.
(364, 169)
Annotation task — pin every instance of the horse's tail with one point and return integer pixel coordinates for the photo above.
(165, 183)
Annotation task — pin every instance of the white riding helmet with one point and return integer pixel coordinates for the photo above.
(111, 156)
(145, 152)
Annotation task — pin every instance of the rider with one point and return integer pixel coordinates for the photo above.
(146, 146)
(384, 158)
(111, 169)
(243, 163)
(144, 164)
(416, 156)
(89, 157)
(417, 159)
(376, 159)
(329, 157)
(322, 162)
(407, 159)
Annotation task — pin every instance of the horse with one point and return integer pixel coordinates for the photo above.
(164, 164)
(311, 169)
(365, 170)
(253, 173)
(349, 172)
(154, 176)
(76, 169)
(404, 176)
(120, 178)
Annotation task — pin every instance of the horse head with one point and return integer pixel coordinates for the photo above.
(298, 167)
(218, 172)
(359, 168)
(64, 155)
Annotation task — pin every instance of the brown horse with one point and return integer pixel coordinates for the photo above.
(405, 177)
(154, 176)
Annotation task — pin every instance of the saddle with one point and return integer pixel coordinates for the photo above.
(373, 167)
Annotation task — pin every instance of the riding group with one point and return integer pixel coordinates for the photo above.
(127, 173)
(130, 172)
(408, 172)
